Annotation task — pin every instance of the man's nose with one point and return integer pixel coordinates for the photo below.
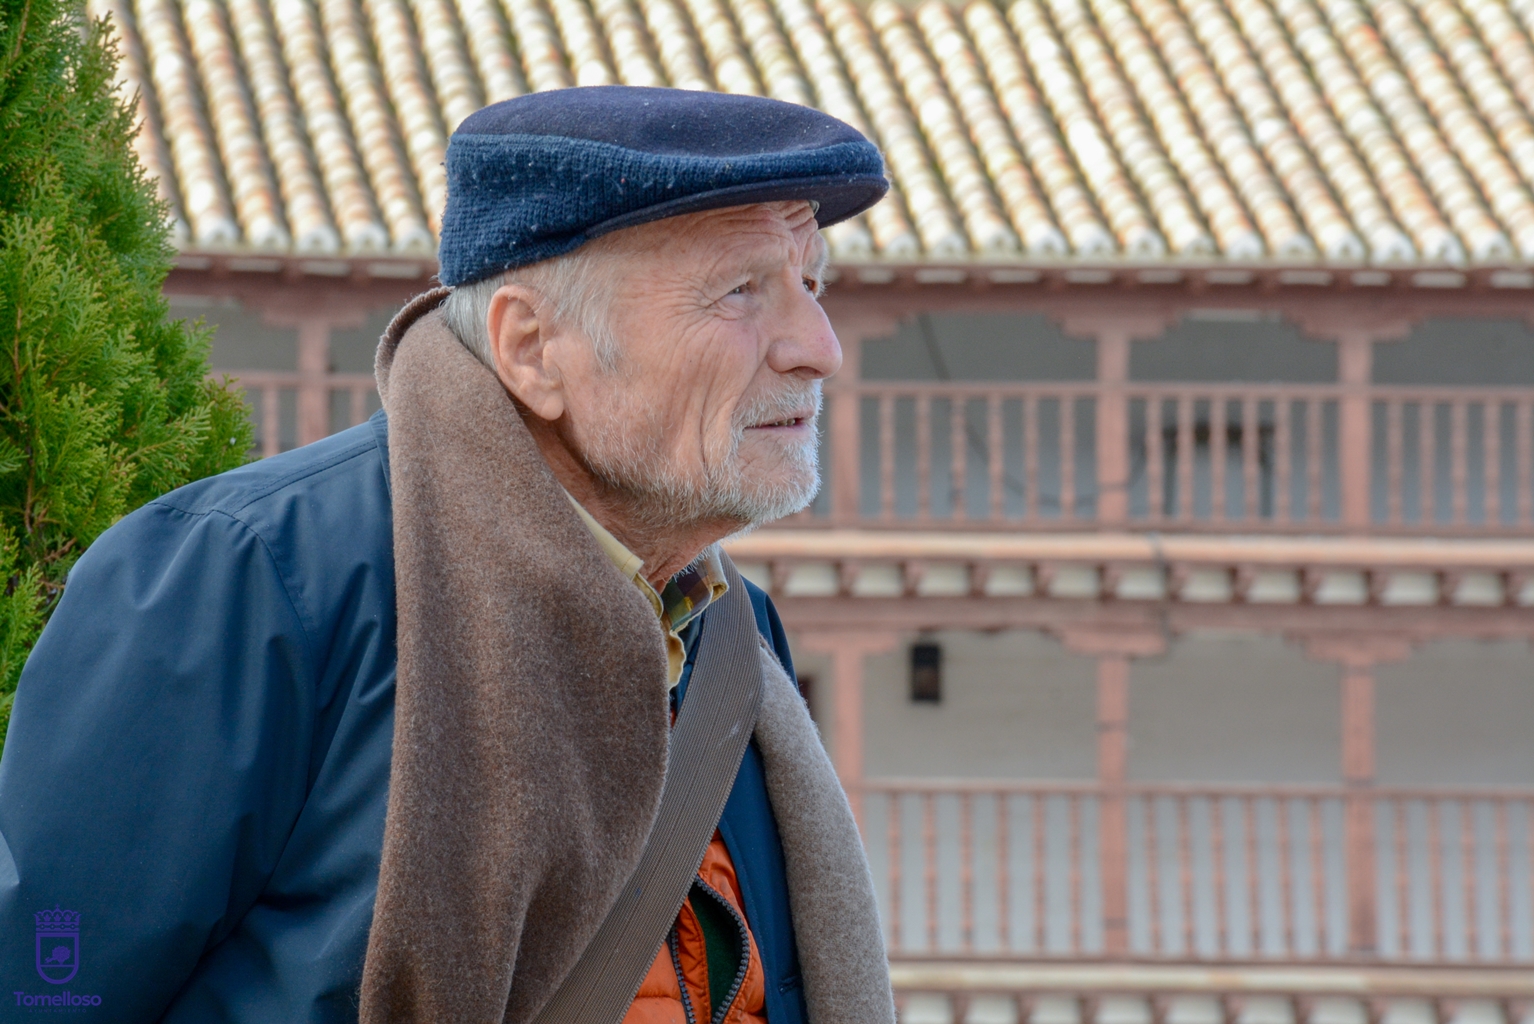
(804, 344)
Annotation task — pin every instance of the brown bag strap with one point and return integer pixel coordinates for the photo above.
(707, 744)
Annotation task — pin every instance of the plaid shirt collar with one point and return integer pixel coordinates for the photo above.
(680, 601)
(693, 589)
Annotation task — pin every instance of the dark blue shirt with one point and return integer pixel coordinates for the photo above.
(193, 788)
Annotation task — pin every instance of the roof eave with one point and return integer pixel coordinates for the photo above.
(973, 273)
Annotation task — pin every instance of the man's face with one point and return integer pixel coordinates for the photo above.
(708, 411)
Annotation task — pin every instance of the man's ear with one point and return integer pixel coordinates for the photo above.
(519, 342)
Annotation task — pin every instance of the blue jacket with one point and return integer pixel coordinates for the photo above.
(198, 760)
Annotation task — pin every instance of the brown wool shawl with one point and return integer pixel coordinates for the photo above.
(531, 725)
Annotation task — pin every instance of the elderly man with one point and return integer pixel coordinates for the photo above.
(446, 718)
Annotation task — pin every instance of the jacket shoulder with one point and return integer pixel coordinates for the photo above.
(321, 514)
(342, 462)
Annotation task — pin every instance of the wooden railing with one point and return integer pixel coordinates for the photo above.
(1289, 458)
(291, 409)
(1070, 871)
(1002, 992)
(1302, 458)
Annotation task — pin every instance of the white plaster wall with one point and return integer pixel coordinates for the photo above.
(352, 348)
(1015, 704)
(1231, 707)
(1207, 345)
(1458, 713)
(1217, 707)
(241, 339)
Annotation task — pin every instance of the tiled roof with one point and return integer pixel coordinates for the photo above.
(1251, 131)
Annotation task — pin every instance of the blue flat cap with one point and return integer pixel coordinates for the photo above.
(540, 175)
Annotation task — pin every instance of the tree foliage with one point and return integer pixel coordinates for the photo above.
(104, 402)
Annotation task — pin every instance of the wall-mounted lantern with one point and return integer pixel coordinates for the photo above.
(927, 672)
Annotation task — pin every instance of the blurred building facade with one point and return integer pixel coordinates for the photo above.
(1167, 605)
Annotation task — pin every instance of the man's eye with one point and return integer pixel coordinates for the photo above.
(812, 286)
(740, 289)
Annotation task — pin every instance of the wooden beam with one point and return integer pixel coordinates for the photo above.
(313, 391)
(848, 650)
(844, 427)
(1112, 427)
(1319, 311)
(1357, 654)
(1415, 980)
(1355, 361)
(1112, 773)
(807, 616)
(1096, 548)
(1358, 825)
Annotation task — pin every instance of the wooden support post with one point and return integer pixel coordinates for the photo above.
(1356, 328)
(1113, 648)
(1112, 773)
(1358, 776)
(853, 320)
(847, 739)
(313, 365)
(1112, 426)
(848, 651)
(1113, 329)
(844, 426)
(1359, 654)
(315, 313)
(1355, 370)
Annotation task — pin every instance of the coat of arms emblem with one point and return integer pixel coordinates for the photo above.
(58, 944)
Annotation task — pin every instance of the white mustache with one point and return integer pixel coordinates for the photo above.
(791, 401)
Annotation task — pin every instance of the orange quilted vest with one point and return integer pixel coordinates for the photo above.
(659, 1000)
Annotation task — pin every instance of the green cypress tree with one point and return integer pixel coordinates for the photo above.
(104, 402)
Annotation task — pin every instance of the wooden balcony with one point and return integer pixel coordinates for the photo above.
(293, 408)
(1039, 457)
(1040, 888)
(1178, 457)
(1214, 873)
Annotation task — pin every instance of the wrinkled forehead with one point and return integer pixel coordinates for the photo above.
(787, 227)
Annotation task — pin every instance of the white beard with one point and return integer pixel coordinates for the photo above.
(627, 452)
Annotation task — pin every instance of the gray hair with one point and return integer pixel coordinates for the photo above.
(576, 290)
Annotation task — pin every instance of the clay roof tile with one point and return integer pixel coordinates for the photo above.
(1392, 131)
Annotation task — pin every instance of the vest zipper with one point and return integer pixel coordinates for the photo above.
(681, 979)
(723, 1007)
